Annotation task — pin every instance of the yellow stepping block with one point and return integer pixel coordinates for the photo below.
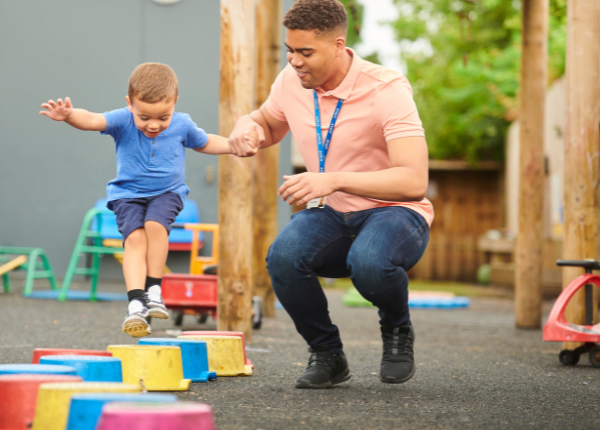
(225, 354)
(154, 367)
(53, 400)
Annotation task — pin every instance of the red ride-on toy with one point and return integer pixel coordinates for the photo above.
(558, 329)
(197, 293)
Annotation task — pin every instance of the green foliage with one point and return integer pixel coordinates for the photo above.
(355, 18)
(464, 65)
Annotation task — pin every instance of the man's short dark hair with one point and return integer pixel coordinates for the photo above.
(322, 16)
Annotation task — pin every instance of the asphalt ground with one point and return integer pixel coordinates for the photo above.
(474, 369)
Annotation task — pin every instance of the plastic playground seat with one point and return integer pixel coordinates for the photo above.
(179, 239)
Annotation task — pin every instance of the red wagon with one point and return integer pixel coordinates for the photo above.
(197, 293)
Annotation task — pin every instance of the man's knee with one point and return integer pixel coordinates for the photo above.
(369, 266)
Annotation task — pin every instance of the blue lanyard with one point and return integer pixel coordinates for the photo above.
(324, 148)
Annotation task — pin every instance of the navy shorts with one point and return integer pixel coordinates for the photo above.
(133, 213)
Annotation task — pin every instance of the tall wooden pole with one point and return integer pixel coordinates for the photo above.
(235, 174)
(534, 58)
(582, 143)
(266, 162)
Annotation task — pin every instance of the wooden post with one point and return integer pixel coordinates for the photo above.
(235, 174)
(581, 145)
(266, 162)
(534, 59)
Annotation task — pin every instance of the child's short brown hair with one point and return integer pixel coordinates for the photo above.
(153, 82)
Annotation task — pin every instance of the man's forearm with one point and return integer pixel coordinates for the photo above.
(85, 120)
(397, 184)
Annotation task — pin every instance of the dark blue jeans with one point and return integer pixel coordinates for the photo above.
(373, 247)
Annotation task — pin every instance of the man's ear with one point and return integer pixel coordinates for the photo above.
(340, 45)
(129, 104)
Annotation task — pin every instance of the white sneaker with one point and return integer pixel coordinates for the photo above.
(156, 306)
(135, 323)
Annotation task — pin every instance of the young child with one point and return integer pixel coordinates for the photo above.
(149, 190)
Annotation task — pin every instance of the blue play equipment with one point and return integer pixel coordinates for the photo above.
(86, 409)
(91, 368)
(189, 214)
(193, 354)
(41, 369)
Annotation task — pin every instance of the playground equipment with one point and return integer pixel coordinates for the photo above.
(86, 409)
(91, 368)
(52, 409)
(26, 259)
(40, 369)
(40, 352)
(156, 368)
(416, 300)
(19, 395)
(197, 292)
(194, 357)
(225, 355)
(558, 329)
(220, 333)
(99, 236)
(156, 416)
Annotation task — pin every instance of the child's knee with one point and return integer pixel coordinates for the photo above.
(154, 228)
(136, 239)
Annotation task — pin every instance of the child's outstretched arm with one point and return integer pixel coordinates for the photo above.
(220, 145)
(78, 118)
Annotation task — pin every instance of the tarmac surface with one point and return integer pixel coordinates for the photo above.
(474, 369)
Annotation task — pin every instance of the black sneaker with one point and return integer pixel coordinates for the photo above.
(398, 362)
(325, 369)
(136, 323)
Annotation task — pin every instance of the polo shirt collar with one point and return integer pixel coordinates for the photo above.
(344, 89)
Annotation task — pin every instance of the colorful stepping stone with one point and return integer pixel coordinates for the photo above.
(157, 368)
(18, 396)
(225, 355)
(85, 409)
(166, 416)
(54, 399)
(221, 333)
(92, 368)
(41, 369)
(40, 352)
(194, 356)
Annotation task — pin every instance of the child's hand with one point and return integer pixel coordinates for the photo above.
(58, 111)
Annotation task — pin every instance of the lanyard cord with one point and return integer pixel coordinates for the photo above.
(324, 147)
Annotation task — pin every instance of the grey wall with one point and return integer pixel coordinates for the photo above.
(51, 174)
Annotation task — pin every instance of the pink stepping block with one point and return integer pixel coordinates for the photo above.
(40, 352)
(221, 333)
(18, 397)
(156, 416)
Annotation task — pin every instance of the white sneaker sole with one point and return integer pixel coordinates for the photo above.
(158, 312)
(136, 327)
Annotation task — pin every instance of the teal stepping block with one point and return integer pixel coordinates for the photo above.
(41, 369)
(91, 368)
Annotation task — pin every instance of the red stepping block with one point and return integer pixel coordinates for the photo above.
(221, 333)
(40, 352)
(18, 396)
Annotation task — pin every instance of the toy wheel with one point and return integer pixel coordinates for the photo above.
(257, 307)
(178, 318)
(568, 357)
(202, 318)
(594, 356)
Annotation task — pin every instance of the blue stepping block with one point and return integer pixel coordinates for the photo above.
(91, 368)
(193, 354)
(86, 409)
(41, 369)
(439, 303)
(77, 295)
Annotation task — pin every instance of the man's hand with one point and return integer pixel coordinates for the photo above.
(58, 111)
(247, 136)
(302, 188)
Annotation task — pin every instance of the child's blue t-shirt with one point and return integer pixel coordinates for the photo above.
(150, 166)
